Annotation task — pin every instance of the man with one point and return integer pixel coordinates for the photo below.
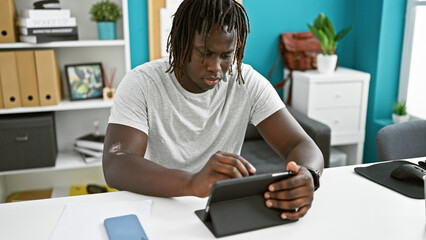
(177, 125)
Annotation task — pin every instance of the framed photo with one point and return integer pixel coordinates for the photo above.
(85, 81)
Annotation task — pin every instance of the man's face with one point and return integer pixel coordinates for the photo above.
(209, 63)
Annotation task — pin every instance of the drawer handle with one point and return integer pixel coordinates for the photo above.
(21, 138)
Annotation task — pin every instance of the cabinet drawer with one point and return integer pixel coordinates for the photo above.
(339, 120)
(330, 95)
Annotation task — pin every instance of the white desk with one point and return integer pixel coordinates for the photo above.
(347, 206)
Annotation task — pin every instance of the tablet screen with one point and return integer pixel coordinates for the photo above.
(243, 187)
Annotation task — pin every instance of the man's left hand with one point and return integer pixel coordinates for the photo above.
(293, 195)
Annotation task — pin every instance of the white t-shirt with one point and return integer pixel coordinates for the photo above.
(185, 129)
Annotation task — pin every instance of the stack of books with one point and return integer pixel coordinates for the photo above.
(90, 147)
(47, 25)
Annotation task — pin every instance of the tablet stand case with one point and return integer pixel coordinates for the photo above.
(240, 215)
(381, 174)
(245, 211)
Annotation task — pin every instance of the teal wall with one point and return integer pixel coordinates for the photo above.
(374, 45)
(270, 18)
(138, 31)
(387, 34)
(368, 21)
(267, 22)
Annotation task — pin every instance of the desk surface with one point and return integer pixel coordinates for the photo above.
(347, 206)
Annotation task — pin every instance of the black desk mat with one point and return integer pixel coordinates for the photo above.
(381, 174)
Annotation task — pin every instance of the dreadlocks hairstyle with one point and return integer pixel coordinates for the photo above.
(202, 16)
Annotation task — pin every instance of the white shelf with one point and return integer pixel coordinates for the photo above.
(65, 105)
(64, 161)
(65, 44)
(72, 160)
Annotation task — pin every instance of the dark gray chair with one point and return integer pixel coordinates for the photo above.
(402, 140)
(266, 160)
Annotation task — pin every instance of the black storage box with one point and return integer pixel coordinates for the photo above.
(27, 141)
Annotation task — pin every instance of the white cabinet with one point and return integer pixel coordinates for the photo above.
(72, 118)
(338, 100)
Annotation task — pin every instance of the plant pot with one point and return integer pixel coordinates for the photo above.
(400, 118)
(107, 31)
(326, 63)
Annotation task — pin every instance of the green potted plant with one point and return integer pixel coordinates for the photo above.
(400, 112)
(106, 14)
(324, 31)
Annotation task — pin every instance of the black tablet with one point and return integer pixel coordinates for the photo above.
(243, 187)
(238, 205)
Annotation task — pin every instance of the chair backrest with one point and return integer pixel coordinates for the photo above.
(402, 140)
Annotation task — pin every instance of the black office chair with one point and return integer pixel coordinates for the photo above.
(402, 140)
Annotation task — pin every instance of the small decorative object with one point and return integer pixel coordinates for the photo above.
(106, 14)
(324, 31)
(400, 112)
(47, 4)
(85, 81)
(109, 92)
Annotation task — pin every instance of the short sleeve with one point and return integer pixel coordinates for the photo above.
(264, 99)
(130, 105)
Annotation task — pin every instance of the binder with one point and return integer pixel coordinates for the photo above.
(1, 95)
(27, 78)
(48, 77)
(8, 16)
(9, 80)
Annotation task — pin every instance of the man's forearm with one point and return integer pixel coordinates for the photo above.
(133, 173)
(306, 153)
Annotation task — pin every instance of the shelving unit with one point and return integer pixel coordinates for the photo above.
(72, 118)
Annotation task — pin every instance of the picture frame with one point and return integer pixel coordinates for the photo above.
(85, 80)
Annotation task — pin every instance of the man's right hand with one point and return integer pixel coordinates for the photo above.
(220, 166)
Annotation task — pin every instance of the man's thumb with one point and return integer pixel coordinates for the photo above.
(292, 166)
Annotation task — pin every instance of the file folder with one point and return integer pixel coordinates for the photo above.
(27, 78)
(48, 77)
(8, 16)
(1, 95)
(9, 80)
